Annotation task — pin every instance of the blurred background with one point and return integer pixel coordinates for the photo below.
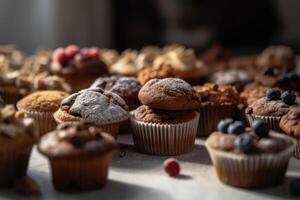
(243, 26)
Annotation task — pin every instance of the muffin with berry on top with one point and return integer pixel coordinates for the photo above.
(272, 107)
(78, 66)
(249, 157)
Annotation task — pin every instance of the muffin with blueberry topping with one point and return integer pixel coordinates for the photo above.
(106, 110)
(79, 156)
(249, 157)
(272, 107)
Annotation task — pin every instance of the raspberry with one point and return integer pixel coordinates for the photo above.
(71, 50)
(94, 53)
(172, 167)
(60, 56)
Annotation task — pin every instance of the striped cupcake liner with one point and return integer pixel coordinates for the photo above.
(44, 121)
(13, 165)
(71, 175)
(210, 117)
(252, 171)
(273, 122)
(164, 139)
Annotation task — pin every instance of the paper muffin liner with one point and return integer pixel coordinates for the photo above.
(273, 122)
(13, 165)
(297, 150)
(164, 139)
(10, 98)
(210, 117)
(252, 171)
(44, 121)
(75, 174)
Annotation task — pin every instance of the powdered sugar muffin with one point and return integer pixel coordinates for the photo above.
(106, 110)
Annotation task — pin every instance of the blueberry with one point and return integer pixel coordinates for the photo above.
(269, 71)
(236, 128)
(273, 94)
(283, 80)
(260, 128)
(288, 97)
(295, 187)
(244, 143)
(223, 125)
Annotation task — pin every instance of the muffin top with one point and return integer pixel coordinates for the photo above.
(126, 87)
(76, 139)
(277, 57)
(10, 58)
(93, 105)
(126, 65)
(169, 94)
(15, 129)
(213, 94)
(273, 104)
(237, 77)
(253, 92)
(109, 56)
(146, 114)
(233, 137)
(159, 72)
(42, 101)
(290, 123)
(73, 59)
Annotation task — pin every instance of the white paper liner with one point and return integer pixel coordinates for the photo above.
(164, 139)
(273, 122)
(252, 171)
(44, 121)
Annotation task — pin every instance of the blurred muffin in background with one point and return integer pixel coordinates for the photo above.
(10, 58)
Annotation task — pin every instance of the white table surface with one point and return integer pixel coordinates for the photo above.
(141, 177)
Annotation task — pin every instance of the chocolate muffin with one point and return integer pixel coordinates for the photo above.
(169, 94)
(106, 110)
(290, 124)
(79, 156)
(17, 137)
(218, 102)
(258, 156)
(124, 86)
(236, 77)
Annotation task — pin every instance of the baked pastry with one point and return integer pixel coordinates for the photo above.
(290, 125)
(78, 67)
(41, 106)
(155, 72)
(217, 102)
(236, 77)
(279, 57)
(253, 92)
(11, 58)
(109, 56)
(17, 136)
(185, 64)
(175, 131)
(169, 94)
(39, 62)
(272, 107)
(124, 86)
(79, 156)
(249, 158)
(106, 110)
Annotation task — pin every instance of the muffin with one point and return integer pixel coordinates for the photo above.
(185, 64)
(17, 136)
(278, 57)
(124, 86)
(78, 67)
(11, 58)
(290, 125)
(109, 56)
(217, 102)
(39, 62)
(125, 65)
(272, 107)
(106, 110)
(253, 92)
(79, 156)
(235, 77)
(166, 123)
(41, 106)
(249, 158)
(155, 72)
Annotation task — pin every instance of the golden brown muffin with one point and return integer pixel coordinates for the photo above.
(158, 72)
(41, 107)
(253, 92)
